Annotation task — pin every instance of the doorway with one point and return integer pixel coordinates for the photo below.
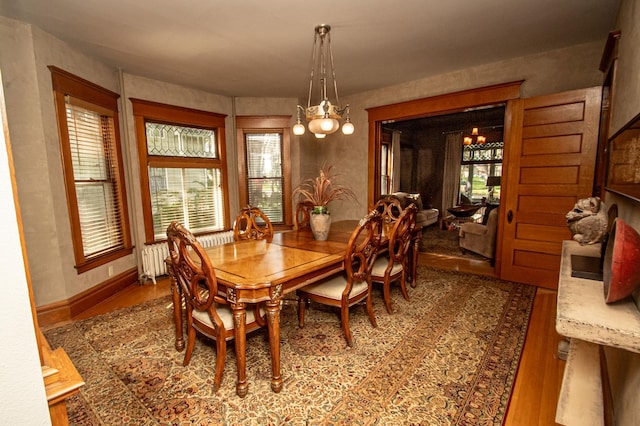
(423, 124)
(422, 164)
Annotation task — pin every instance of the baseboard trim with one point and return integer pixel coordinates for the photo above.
(66, 309)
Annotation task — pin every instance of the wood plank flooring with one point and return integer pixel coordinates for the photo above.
(539, 376)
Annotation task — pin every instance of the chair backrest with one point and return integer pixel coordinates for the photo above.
(492, 222)
(252, 224)
(302, 218)
(402, 234)
(191, 268)
(362, 248)
(389, 208)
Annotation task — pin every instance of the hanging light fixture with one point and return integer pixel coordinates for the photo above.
(475, 138)
(323, 116)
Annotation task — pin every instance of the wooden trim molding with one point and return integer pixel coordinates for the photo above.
(65, 310)
(449, 102)
(425, 107)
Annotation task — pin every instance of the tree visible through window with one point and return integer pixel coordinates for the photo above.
(94, 180)
(479, 162)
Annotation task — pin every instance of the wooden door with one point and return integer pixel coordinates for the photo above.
(550, 155)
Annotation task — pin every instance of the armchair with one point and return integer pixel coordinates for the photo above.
(479, 238)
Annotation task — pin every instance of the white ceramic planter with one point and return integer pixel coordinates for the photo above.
(320, 225)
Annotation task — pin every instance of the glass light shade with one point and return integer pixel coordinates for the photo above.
(329, 125)
(298, 129)
(467, 140)
(482, 139)
(316, 125)
(320, 135)
(348, 128)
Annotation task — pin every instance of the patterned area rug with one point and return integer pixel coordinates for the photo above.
(447, 357)
(438, 241)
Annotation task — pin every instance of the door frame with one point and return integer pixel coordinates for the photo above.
(504, 93)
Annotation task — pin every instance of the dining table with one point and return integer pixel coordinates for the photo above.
(257, 271)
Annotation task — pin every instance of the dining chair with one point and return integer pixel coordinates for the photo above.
(354, 284)
(252, 224)
(207, 311)
(395, 264)
(302, 217)
(389, 208)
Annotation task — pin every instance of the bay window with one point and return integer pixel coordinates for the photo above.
(93, 172)
(182, 168)
(263, 159)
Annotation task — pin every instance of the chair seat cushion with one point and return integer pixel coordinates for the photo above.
(427, 217)
(380, 266)
(226, 315)
(333, 287)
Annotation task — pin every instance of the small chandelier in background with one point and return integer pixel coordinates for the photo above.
(323, 115)
(475, 138)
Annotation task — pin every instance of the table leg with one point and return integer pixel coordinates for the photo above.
(273, 318)
(239, 321)
(176, 294)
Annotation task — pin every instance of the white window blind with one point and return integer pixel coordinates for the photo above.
(264, 173)
(192, 197)
(92, 139)
(186, 192)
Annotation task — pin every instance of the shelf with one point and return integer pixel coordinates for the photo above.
(580, 401)
(582, 312)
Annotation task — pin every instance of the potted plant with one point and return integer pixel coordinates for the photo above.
(320, 191)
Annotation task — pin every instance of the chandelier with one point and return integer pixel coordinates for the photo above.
(475, 138)
(323, 115)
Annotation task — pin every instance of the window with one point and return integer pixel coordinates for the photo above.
(92, 161)
(479, 162)
(386, 162)
(263, 157)
(182, 168)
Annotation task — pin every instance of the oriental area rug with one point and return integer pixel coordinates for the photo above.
(446, 357)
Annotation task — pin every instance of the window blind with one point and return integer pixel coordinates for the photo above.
(92, 139)
(264, 173)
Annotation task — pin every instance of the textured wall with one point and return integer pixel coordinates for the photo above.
(551, 72)
(25, 54)
(22, 394)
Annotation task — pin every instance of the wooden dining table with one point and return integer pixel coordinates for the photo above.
(256, 271)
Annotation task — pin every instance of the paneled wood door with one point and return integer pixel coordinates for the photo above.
(551, 160)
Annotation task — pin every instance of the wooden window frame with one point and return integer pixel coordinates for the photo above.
(265, 124)
(67, 84)
(144, 111)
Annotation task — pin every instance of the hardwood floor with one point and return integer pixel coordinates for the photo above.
(537, 385)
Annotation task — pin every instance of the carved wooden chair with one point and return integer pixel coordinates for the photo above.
(389, 208)
(302, 217)
(354, 284)
(207, 311)
(395, 265)
(252, 224)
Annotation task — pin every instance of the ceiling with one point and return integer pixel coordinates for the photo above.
(263, 48)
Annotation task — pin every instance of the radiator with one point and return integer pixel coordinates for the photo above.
(153, 255)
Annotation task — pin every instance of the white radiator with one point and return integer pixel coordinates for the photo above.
(153, 255)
